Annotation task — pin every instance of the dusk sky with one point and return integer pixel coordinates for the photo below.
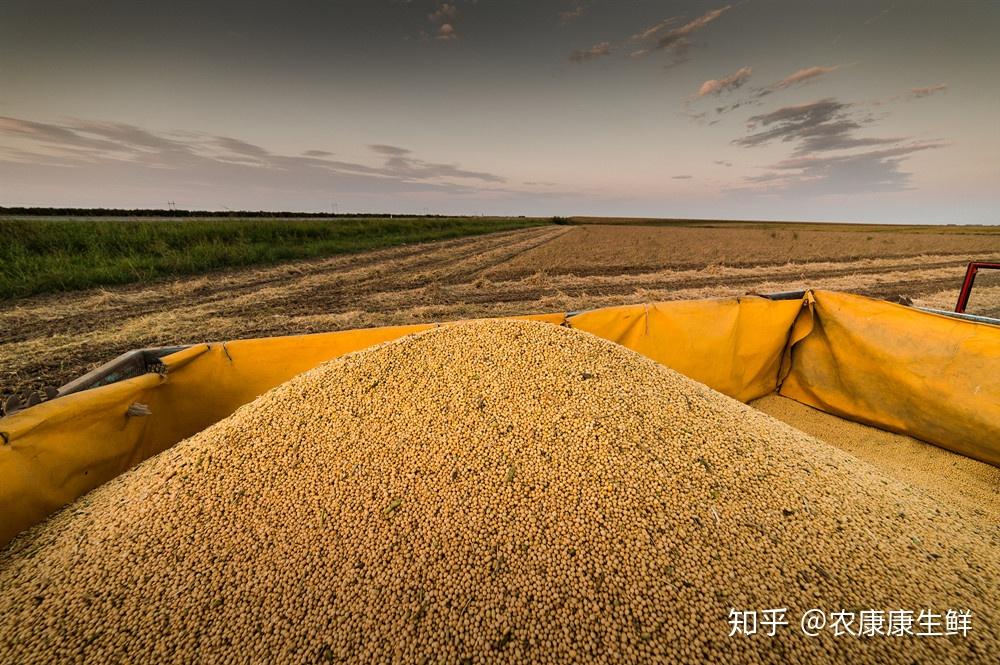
(814, 110)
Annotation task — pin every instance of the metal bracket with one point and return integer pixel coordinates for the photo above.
(126, 366)
(970, 278)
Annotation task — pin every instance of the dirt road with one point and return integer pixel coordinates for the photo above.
(51, 339)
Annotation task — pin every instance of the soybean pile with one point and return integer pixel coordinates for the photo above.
(492, 491)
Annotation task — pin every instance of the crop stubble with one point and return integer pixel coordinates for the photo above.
(50, 340)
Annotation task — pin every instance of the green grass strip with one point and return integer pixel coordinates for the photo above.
(52, 255)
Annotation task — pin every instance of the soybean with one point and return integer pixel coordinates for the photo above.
(495, 491)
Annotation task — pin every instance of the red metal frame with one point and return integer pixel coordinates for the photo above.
(970, 277)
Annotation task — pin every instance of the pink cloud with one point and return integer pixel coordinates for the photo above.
(726, 83)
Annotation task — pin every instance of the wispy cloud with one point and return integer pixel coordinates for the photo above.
(570, 15)
(754, 96)
(57, 135)
(700, 117)
(123, 151)
(825, 160)
(790, 123)
(913, 93)
(444, 17)
(802, 76)
(916, 93)
(400, 163)
(651, 31)
(855, 173)
(668, 35)
(242, 147)
(390, 150)
(726, 83)
(722, 162)
(682, 177)
(444, 13)
(596, 51)
(826, 124)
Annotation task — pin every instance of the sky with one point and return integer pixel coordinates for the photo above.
(756, 109)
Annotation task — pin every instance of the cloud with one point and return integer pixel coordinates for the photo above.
(722, 162)
(700, 117)
(913, 93)
(241, 147)
(445, 13)
(823, 125)
(726, 108)
(727, 83)
(856, 173)
(388, 149)
(114, 155)
(444, 18)
(47, 134)
(571, 15)
(399, 164)
(917, 93)
(682, 177)
(667, 35)
(802, 76)
(789, 123)
(446, 32)
(596, 51)
(755, 95)
(653, 30)
(825, 159)
(90, 140)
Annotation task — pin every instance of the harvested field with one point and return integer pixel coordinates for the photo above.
(985, 298)
(609, 249)
(48, 340)
(498, 490)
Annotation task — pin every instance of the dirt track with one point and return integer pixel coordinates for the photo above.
(50, 340)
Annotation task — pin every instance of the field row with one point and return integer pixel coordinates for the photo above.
(48, 340)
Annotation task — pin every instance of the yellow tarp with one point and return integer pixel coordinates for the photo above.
(929, 376)
(60, 450)
(733, 345)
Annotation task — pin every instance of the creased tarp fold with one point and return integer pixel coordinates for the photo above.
(925, 375)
